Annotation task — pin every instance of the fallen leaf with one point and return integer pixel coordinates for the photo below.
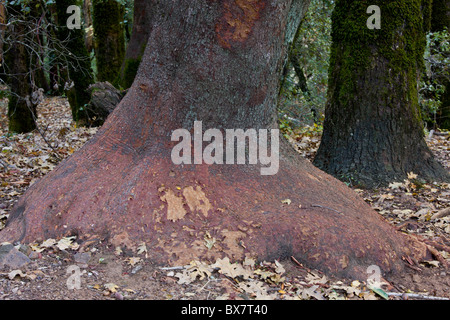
(48, 243)
(133, 260)
(412, 175)
(396, 185)
(433, 263)
(15, 273)
(118, 251)
(111, 287)
(279, 268)
(249, 262)
(65, 243)
(232, 270)
(142, 248)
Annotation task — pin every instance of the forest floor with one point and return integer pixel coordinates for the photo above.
(62, 269)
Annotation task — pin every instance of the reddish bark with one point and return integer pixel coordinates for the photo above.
(123, 186)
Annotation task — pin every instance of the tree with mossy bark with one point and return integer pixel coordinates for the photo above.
(78, 62)
(218, 62)
(373, 132)
(107, 16)
(142, 17)
(21, 111)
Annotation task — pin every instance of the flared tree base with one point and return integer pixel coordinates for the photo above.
(110, 191)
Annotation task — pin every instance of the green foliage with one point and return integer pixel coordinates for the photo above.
(312, 49)
(436, 77)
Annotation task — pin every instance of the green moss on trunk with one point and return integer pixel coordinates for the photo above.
(79, 65)
(20, 116)
(373, 130)
(109, 38)
(129, 72)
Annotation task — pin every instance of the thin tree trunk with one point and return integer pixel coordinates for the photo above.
(2, 28)
(89, 29)
(373, 131)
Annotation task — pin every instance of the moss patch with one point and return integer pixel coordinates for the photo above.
(109, 36)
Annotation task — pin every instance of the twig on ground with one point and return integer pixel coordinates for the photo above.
(441, 214)
(415, 296)
(173, 268)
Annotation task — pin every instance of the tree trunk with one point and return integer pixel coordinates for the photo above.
(440, 15)
(218, 62)
(79, 63)
(38, 73)
(440, 21)
(142, 24)
(109, 38)
(89, 29)
(2, 29)
(21, 112)
(373, 132)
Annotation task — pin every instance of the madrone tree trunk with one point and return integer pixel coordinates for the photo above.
(373, 131)
(218, 62)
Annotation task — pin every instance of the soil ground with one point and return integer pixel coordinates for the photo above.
(60, 270)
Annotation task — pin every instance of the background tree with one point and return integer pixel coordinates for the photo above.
(218, 62)
(440, 52)
(373, 132)
(2, 27)
(142, 18)
(38, 51)
(21, 111)
(109, 36)
(78, 63)
(304, 84)
(88, 28)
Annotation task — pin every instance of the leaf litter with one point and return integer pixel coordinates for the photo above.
(114, 273)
